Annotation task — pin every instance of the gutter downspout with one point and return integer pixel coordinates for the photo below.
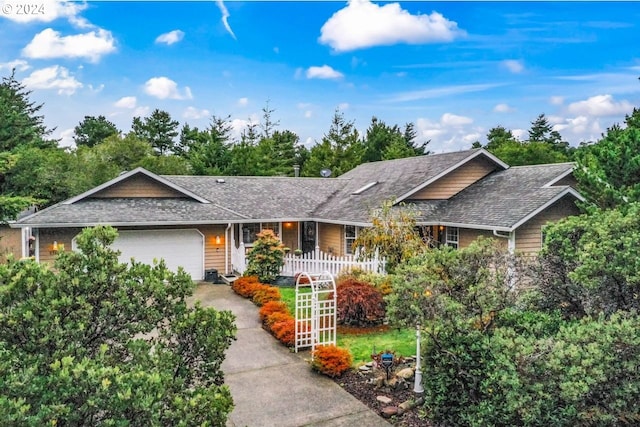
(226, 249)
(511, 240)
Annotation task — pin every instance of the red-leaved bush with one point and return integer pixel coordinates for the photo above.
(271, 307)
(331, 360)
(359, 304)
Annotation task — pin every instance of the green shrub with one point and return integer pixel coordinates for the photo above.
(266, 257)
(537, 372)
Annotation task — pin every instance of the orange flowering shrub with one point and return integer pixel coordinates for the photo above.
(274, 318)
(266, 293)
(331, 360)
(284, 331)
(271, 307)
(246, 286)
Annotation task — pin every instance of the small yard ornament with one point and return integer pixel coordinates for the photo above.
(386, 360)
(417, 383)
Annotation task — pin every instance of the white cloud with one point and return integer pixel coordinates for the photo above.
(128, 102)
(514, 66)
(66, 138)
(42, 11)
(195, 114)
(441, 92)
(556, 100)
(451, 132)
(520, 133)
(362, 24)
(54, 77)
(503, 108)
(225, 17)
(243, 102)
(343, 106)
(165, 88)
(308, 114)
(141, 111)
(324, 72)
(600, 105)
(50, 44)
(240, 125)
(449, 119)
(171, 37)
(18, 64)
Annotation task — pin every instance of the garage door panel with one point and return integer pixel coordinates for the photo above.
(178, 248)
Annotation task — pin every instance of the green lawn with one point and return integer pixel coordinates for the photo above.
(361, 346)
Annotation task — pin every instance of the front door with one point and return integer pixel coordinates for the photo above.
(308, 236)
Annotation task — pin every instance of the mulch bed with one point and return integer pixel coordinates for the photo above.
(356, 384)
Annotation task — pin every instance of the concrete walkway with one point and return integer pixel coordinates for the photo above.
(272, 386)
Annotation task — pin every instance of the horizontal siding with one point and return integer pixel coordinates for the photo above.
(529, 234)
(456, 181)
(46, 237)
(214, 255)
(466, 236)
(10, 242)
(331, 236)
(138, 186)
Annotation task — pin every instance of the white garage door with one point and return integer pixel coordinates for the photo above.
(179, 248)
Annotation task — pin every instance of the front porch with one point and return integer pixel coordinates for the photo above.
(315, 261)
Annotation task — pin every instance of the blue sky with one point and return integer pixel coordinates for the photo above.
(454, 69)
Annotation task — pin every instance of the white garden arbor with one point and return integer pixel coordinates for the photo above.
(315, 310)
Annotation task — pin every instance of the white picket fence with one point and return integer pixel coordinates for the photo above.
(313, 261)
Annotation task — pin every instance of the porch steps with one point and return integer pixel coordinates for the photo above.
(228, 278)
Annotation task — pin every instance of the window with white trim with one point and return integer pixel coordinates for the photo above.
(250, 231)
(273, 226)
(350, 235)
(452, 237)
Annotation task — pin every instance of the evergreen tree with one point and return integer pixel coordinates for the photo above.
(159, 129)
(20, 123)
(92, 131)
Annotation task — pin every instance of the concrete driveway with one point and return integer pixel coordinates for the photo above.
(270, 385)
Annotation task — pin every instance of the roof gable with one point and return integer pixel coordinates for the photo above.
(456, 177)
(138, 183)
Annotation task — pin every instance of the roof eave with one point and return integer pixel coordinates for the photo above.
(565, 192)
(126, 175)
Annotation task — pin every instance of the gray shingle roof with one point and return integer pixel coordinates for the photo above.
(263, 197)
(394, 178)
(501, 199)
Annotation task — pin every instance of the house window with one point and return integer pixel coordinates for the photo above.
(350, 235)
(274, 226)
(452, 237)
(250, 232)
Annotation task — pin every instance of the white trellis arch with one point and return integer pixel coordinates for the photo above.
(315, 310)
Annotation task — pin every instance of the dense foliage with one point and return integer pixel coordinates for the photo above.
(514, 341)
(608, 171)
(266, 257)
(96, 342)
(591, 263)
(358, 303)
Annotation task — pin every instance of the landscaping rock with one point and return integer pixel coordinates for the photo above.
(364, 368)
(384, 400)
(389, 411)
(406, 373)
